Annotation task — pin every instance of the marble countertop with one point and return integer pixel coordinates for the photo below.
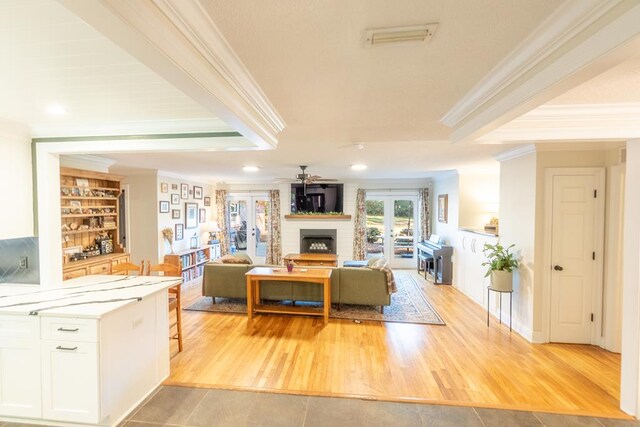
(86, 297)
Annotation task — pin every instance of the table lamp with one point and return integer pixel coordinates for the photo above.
(214, 229)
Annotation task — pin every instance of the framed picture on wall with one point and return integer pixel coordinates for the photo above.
(164, 187)
(207, 201)
(175, 199)
(184, 191)
(443, 207)
(190, 215)
(164, 206)
(174, 187)
(179, 234)
(202, 215)
(175, 213)
(197, 192)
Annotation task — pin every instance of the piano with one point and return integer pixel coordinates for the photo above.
(435, 258)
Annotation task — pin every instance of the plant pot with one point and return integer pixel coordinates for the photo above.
(502, 280)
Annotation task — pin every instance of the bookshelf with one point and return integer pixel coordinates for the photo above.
(190, 261)
(90, 217)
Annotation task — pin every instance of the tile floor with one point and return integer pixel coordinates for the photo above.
(193, 407)
(198, 407)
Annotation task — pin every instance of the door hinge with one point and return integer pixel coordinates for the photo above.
(595, 193)
(593, 256)
(592, 317)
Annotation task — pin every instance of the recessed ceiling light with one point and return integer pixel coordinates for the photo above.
(358, 145)
(250, 168)
(56, 110)
(358, 167)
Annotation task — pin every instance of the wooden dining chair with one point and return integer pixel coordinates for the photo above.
(174, 296)
(128, 268)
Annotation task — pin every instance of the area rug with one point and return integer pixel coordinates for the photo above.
(408, 305)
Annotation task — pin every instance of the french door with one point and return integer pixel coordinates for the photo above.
(392, 228)
(248, 231)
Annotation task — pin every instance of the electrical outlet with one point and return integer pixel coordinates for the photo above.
(24, 262)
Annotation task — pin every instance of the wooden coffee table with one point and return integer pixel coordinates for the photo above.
(313, 275)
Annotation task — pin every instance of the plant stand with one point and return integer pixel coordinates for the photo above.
(500, 292)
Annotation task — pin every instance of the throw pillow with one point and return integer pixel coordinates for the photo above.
(231, 259)
(245, 257)
(372, 261)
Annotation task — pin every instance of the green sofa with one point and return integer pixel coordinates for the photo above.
(349, 285)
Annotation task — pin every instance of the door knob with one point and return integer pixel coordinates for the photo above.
(557, 268)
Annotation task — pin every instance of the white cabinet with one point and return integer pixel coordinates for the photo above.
(20, 377)
(70, 381)
(469, 271)
(20, 366)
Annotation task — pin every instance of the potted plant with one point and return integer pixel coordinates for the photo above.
(500, 262)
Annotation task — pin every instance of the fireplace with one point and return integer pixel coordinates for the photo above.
(321, 241)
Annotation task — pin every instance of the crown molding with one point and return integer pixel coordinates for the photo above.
(193, 21)
(515, 153)
(571, 122)
(179, 41)
(578, 37)
(85, 161)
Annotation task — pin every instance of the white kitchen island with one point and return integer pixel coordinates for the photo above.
(86, 353)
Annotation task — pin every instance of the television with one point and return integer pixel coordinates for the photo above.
(319, 198)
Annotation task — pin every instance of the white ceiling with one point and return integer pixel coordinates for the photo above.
(309, 59)
(50, 56)
(607, 107)
(620, 84)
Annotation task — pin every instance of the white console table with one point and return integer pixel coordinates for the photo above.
(85, 354)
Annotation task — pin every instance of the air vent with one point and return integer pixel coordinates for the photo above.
(414, 34)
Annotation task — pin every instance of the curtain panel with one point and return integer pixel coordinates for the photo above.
(424, 213)
(360, 227)
(223, 221)
(274, 242)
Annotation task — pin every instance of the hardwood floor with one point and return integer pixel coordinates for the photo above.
(463, 363)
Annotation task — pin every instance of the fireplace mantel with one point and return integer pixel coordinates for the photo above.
(318, 217)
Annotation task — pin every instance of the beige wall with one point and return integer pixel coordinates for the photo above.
(517, 226)
(522, 221)
(560, 159)
(165, 219)
(449, 185)
(16, 181)
(479, 199)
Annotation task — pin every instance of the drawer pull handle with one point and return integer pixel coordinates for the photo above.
(66, 348)
(61, 329)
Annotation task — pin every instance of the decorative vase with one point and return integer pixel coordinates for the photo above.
(502, 280)
(289, 267)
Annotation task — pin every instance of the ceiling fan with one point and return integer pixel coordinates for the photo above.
(305, 178)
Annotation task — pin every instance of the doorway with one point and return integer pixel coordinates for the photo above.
(575, 236)
(248, 219)
(392, 228)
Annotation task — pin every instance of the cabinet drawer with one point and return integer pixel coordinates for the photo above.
(67, 395)
(19, 327)
(72, 274)
(104, 268)
(69, 329)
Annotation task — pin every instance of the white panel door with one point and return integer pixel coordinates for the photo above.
(572, 255)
